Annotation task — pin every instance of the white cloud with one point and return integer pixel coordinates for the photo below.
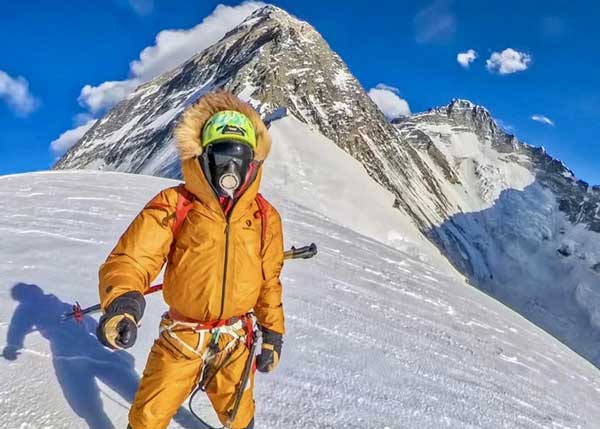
(508, 61)
(543, 119)
(15, 93)
(435, 23)
(171, 48)
(466, 58)
(68, 139)
(106, 95)
(388, 88)
(82, 118)
(389, 102)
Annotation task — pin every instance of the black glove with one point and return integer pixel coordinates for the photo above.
(269, 356)
(117, 328)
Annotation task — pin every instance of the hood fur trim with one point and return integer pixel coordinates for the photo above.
(189, 130)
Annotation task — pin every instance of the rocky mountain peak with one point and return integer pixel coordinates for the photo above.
(268, 10)
(468, 114)
(273, 17)
(460, 103)
(272, 60)
(274, 13)
(460, 107)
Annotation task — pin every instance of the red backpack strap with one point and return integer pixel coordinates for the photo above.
(263, 208)
(185, 202)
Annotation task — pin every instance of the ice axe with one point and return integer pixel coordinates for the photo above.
(305, 252)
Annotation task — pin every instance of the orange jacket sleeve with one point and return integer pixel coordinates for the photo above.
(269, 309)
(141, 251)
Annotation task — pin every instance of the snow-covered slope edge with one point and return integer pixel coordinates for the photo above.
(376, 337)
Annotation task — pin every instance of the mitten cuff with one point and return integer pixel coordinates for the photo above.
(131, 303)
(273, 338)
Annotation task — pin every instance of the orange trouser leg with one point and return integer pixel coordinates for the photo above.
(222, 391)
(172, 372)
(169, 378)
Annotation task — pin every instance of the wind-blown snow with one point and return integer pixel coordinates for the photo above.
(376, 336)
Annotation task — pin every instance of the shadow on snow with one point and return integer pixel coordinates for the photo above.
(78, 358)
(514, 252)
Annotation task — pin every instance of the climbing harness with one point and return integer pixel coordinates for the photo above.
(241, 331)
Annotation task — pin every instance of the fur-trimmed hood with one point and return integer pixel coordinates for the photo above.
(189, 131)
(188, 136)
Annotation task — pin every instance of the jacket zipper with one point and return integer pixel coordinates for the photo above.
(227, 219)
(224, 269)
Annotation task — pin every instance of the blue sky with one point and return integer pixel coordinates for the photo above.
(51, 50)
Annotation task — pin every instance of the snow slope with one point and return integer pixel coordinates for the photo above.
(377, 337)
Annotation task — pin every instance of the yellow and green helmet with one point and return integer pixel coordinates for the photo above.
(229, 125)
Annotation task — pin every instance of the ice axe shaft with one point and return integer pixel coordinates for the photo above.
(79, 312)
(305, 252)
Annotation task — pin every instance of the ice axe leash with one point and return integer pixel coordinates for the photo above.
(305, 252)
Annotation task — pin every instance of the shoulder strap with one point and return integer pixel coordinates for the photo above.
(263, 208)
(185, 202)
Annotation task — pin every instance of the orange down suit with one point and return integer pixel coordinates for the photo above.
(216, 268)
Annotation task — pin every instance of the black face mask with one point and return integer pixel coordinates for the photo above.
(226, 165)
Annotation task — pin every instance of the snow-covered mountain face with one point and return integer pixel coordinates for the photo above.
(271, 59)
(517, 222)
(376, 337)
(512, 219)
